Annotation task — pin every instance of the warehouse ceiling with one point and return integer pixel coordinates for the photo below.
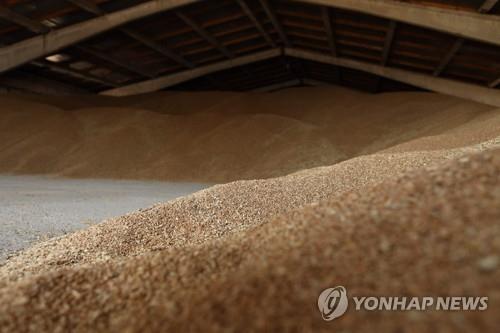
(204, 33)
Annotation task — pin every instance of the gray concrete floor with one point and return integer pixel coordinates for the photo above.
(35, 208)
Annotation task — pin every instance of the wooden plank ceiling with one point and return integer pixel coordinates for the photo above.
(214, 30)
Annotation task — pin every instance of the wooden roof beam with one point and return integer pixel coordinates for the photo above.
(386, 52)
(494, 83)
(173, 79)
(82, 75)
(445, 86)
(475, 26)
(154, 45)
(429, 82)
(33, 48)
(276, 23)
(448, 56)
(389, 38)
(487, 6)
(327, 22)
(88, 6)
(23, 21)
(35, 26)
(251, 16)
(208, 37)
(484, 8)
(205, 34)
(326, 15)
(141, 38)
(464, 24)
(112, 60)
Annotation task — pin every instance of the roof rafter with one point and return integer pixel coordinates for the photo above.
(327, 22)
(205, 34)
(88, 6)
(494, 83)
(484, 8)
(389, 38)
(141, 38)
(208, 37)
(43, 45)
(326, 15)
(448, 56)
(152, 44)
(487, 6)
(23, 21)
(35, 26)
(476, 26)
(386, 51)
(274, 20)
(112, 60)
(437, 84)
(464, 24)
(173, 79)
(248, 12)
(82, 75)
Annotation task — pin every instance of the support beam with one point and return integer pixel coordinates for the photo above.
(436, 84)
(448, 56)
(440, 85)
(152, 44)
(32, 25)
(81, 75)
(39, 46)
(464, 24)
(205, 34)
(88, 6)
(386, 52)
(327, 22)
(475, 26)
(149, 42)
(487, 6)
(208, 37)
(389, 37)
(248, 12)
(173, 79)
(112, 60)
(274, 20)
(35, 27)
(494, 83)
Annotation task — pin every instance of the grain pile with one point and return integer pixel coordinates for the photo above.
(426, 232)
(419, 216)
(220, 136)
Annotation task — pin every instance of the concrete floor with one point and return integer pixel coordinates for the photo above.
(36, 208)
